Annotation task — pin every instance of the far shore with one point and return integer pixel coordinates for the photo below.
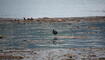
(47, 19)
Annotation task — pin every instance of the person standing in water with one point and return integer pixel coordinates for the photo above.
(55, 33)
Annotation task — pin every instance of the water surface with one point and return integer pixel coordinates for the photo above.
(39, 35)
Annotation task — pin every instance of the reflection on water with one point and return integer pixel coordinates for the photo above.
(37, 35)
(54, 40)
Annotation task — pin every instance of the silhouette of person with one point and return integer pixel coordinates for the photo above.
(54, 32)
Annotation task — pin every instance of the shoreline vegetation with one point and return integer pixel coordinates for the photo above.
(47, 19)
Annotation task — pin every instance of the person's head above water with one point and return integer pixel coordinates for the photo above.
(54, 32)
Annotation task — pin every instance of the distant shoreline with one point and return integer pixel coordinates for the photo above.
(63, 19)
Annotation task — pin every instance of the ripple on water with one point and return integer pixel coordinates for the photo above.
(85, 34)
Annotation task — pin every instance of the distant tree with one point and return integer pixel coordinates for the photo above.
(24, 18)
(32, 18)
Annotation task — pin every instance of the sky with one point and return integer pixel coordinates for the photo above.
(51, 8)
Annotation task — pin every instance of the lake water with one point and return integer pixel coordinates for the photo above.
(39, 35)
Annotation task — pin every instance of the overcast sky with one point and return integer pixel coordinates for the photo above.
(51, 8)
